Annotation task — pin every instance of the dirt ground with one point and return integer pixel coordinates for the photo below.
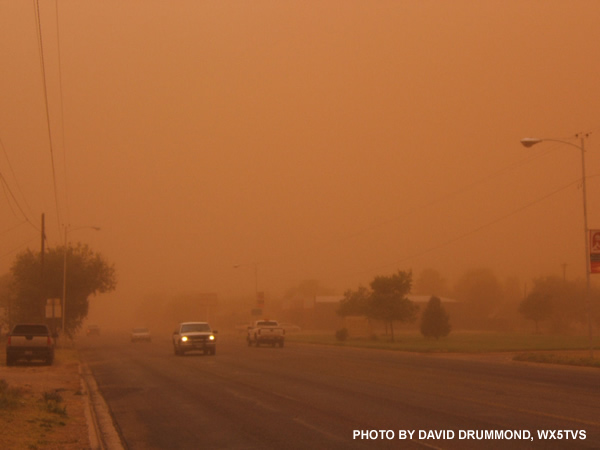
(33, 423)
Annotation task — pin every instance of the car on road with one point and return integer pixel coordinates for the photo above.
(267, 332)
(141, 334)
(194, 336)
(92, 330)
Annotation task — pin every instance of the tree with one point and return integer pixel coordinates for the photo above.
(435, 321)
(87, 273)
(5, 300)
(556, 299)
(536, 306)
(430, 282)
(481, 290)
(355, 303)
(388, 299)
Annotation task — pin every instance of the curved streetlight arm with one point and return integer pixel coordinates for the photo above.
(529, 142)
(68, 229)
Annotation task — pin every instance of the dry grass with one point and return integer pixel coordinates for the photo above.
(42, 407)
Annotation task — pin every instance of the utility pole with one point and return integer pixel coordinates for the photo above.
(42, 251)
(42, 280)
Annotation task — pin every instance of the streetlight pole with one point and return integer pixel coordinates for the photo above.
(528, 142)
(64, 286)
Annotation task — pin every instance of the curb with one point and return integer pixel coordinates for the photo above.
(103, 434)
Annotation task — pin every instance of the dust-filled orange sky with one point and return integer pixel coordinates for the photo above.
(329, 140)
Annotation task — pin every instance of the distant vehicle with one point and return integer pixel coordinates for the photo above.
(290, 327)
(243, 328)
(194, 336)
(266, 332)
(29, 341)
(141, 335)
(93, 330)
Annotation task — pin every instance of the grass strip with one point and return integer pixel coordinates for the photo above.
(470, 342)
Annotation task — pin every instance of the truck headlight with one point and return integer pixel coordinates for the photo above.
(211, 337)
(184, 339)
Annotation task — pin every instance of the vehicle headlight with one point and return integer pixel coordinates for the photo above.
(184, 339)
(211, 337)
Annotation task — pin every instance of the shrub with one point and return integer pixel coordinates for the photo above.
(9, 397)
(435, 321)
(341, 335)
(53, 402)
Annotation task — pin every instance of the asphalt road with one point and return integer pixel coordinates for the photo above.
(304, 396)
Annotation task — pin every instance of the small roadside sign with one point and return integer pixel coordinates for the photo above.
(53, 308)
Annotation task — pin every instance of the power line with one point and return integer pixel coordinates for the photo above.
(13, 174)
(62, 111)
(478, 229)
(448, 196)
(7, 188)
(10, 252)
(443, 198)
(41, 48)
(13, 227)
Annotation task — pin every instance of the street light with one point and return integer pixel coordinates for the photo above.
(64, 286)
(528, 142)
(237, 266)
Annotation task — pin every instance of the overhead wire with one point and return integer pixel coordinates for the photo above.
(481, 227)
(445, 197)
(7, 188)
(49, 128)
(8, 200)
(62, 112)
(488, 224)
(13, 174)
(8, 230)
(14, 249)
(456, 193)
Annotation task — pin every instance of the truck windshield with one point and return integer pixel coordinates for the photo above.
(193, 327)
(267, 324)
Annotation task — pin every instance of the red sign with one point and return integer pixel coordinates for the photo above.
(594, 251)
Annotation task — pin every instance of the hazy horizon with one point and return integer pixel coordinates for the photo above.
(301, 140)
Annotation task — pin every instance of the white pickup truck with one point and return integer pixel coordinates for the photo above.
(29, 341)
(266, 332)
